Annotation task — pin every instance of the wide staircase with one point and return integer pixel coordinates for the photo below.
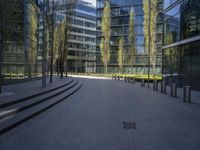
(18, 111)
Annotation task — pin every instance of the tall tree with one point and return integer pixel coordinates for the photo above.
(32, 27)
(105, 41)
(44, 45)
(1, 43)
(154, 16)
(150, 22)
(121, 53)
(146, 22)
(60, 44)
(131, 37)
(51, 6)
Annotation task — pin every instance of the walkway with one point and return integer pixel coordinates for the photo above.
(92, 119)
(19, 90)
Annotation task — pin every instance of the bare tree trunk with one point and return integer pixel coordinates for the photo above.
(26, 63)
(61, 68)
(132, 69)
(106, 69)
(66, 65)
(1, 44)
(43, 51)
(52, 45)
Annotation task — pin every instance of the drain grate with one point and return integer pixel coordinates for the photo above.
(129, 125)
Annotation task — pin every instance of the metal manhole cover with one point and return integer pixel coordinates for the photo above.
(129, 125)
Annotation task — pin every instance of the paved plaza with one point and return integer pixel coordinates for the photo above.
(93, 119)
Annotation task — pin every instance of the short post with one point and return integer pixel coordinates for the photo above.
(142, 82)
(173, 90)
(163, 87)
(155, 85)
(1, 82)
(187, 94)
(133, 81)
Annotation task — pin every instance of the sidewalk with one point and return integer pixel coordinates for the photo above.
(20, 90)
(195, 95)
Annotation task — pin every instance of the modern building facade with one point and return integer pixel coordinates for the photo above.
(120, 12)
(181, 50)
(20, 38)
(81, 16)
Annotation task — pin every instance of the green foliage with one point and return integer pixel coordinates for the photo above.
(172, 58)
(32, 31)
(60, 44)
(145, 22)
(105, 41)
(121, 53)
(61, 33)
(153, 22)
(131, 36)
(12, 16)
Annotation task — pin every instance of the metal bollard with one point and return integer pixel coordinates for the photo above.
(142, 82)
(124, 79)
(173, 90)
(163, 87)
(187, 94)
(133, 81)
(155, 85)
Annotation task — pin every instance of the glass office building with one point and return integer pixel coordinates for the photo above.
(20, 40)
(181, 50)
(120, 11)
(82, 36)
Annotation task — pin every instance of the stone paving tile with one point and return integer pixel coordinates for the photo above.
(92, 119)
(19, 90)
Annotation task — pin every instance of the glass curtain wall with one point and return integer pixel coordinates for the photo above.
(19, 36)
(181, 51)
(82, 36)
(120, 11)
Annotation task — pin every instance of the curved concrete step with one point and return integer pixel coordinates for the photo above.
(23, 105)
(15, 120)
(34, 95)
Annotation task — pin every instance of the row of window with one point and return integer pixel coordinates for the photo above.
(13, 68)
(81, 53)
(82, 38)
(83, 23)
(123, 20)
(121, 11)
(114, 49)
(8, 58)
(82, 46)
(101, 3)
(13, 48)
(115, 40)
(115, 31)
(127, 59)
(181, 22)
(83, 31)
